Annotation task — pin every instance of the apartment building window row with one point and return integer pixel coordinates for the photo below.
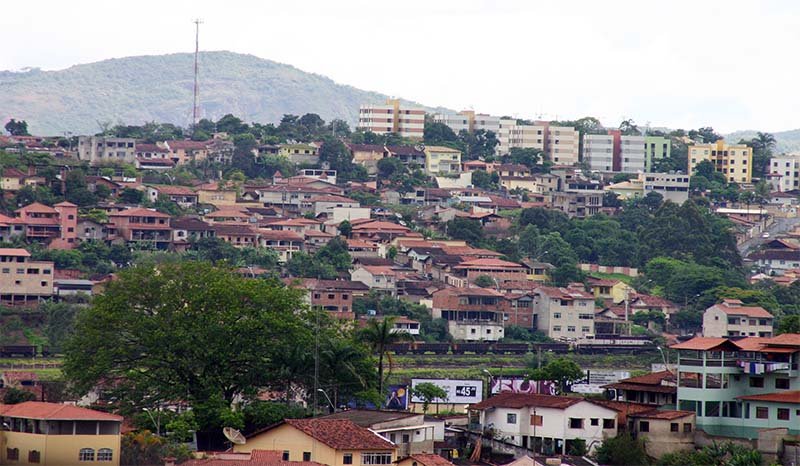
(376, 458)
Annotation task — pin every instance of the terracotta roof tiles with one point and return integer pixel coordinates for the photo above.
(55, 412)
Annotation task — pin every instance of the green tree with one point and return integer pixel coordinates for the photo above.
(14, 396)
(562, 370)
(489, 181)
(484, 281)
(789, 324)
(465, 229)
(131, 196)
(17, 127)
(429, 393)
(391, 168)
(345, 228)
(378, 335)
(622, 450)
(165, 334)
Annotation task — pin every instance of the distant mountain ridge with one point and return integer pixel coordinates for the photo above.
(134, 90)
(785, 141)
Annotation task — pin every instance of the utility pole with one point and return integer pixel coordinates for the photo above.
(195, 110)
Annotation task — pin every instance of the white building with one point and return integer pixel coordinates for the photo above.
(731, 318)
(545, 423)
(97, 149)
(632, 153)
(598, 152)
(392, 117)
(563, 313)
(787, 166)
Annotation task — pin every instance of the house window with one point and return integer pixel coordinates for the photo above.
(608, 423)
(306, 456)
(86, 454)
(376, 458)
(347, 458)
(762, 412)
(674, 427)
(757, 382)
(511, 418)
(105, 454)
(595, 421)
(406, 438)
(575, 423)
(556, 328)
(12, 454)
(286, 456)
(644, 426)
(783, 414)
(782, 384)
(556, 315)
(712, 408)
(570, 328)
(687, 427)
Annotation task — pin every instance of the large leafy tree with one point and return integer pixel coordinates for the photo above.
(185, 330)
(17, 128)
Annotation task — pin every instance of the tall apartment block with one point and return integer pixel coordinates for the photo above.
(784, 172)
(408, 122)
(559, 143)
(614, 152)
(468, 120)
(655, 148)
(735, 161)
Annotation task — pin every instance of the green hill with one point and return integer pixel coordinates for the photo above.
(785, 141)
(134, 90)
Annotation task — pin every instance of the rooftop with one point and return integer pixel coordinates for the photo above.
(340, 434)
(522, 400)
(55, 412)
(370, 417)
(790, 397)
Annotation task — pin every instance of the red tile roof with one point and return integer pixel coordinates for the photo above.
(341, 434)
(140, 212)
(522, 400)
(653, 378)
(702, 343)
(252, 458)
(55, 412)
(564, 293)
(16, 252)
(429, 459)
(38, 208)
(734, 308)
(333, 198)
(172, 190)
(492, 263)
(791, 397)
(787, 339)
(280, 235)
(380, 226)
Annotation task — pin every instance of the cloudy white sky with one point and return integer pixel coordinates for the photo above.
(729, 64)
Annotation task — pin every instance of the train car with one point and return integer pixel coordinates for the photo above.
(510, 348)
(399, 348)
(18, 351)
(472, 347)
(614, 349)
(436, 348)
(554, 347)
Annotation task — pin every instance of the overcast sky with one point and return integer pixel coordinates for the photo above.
(728, 64)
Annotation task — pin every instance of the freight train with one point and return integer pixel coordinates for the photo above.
(597, 344)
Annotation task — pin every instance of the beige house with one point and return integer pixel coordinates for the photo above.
(442, 160)
(23, 281)
(731, 318)
(564, 313)
(334, 442)
(52, 434)
(410, 432)
(666, 431)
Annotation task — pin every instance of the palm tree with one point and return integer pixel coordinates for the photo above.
(765, 141)
(378, 335)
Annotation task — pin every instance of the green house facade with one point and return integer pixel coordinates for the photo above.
(737, 387)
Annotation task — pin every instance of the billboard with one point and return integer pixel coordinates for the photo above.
(595, 378)
(521, 385)
(397, 398)
(458, 391)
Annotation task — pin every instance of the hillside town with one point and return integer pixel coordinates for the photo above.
(425, 289)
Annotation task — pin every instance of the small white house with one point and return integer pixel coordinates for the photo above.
(548, 424)
(731, 318)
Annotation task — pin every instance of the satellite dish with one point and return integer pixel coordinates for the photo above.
(233, 435)
(420, 147)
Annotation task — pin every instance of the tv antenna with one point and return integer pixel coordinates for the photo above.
(195, 109)
(233, 435)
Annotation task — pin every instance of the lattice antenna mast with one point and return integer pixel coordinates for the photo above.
(195, 108)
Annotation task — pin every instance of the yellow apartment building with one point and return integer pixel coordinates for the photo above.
(23, 281)
(335, 442)
(52, 434)
(735, 161)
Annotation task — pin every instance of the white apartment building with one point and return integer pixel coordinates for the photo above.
(672, 186)
(731, 318)
(468, 120)
(392, 117)
(563, 145)
(559, 143)
(95, 149)
(632, 154)
(545, 423)
(563, 313)
(598, 152)
(787, 166)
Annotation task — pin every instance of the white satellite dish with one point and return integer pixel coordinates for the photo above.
(234, 435)
(420, 147)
